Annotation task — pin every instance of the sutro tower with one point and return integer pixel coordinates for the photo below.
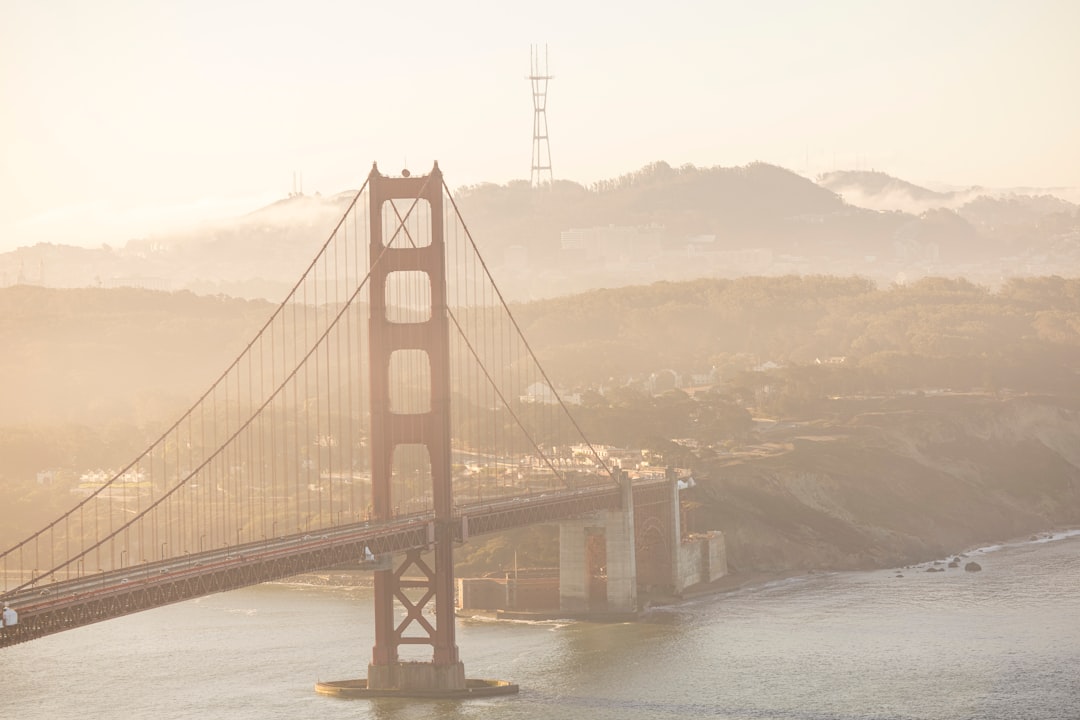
(541, 148)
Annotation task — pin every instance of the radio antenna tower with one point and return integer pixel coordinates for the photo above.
(541, 148)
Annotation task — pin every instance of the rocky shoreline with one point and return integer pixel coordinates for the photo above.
(897, 486)
(965, 561)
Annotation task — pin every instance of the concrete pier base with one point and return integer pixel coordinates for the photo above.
(474, 688)
(597, 565)
(410, 676)
(416, 680)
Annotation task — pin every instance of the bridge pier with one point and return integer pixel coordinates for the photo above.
(608, 560)
(410, 677)
(670, 559)
(597, 560)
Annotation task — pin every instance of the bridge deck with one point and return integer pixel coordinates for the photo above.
(64, 605)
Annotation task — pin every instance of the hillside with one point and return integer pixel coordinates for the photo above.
(944, 414)
(973, 225)
(898, 482)
(880, 191)
(100, 356)
(80, 355)
(657, 223)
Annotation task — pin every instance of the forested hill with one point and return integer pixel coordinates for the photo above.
(744, 206)
(114, 356)
(932, 333)
(905, 420)
(96, 355)
(657, 223)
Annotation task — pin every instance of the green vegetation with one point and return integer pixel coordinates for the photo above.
(755, 204)
(934, 333)
(531, 547)
(95, 373)
(89, 377)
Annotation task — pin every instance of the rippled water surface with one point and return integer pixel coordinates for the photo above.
(1002, 643)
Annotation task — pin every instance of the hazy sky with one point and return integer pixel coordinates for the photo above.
(122, 118)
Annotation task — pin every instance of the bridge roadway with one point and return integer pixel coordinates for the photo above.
(93, 597)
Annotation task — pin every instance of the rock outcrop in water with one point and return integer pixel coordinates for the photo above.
(899, 482)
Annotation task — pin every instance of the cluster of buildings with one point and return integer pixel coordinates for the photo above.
(130, 485)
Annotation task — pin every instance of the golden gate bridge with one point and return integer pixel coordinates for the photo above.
(338, 435)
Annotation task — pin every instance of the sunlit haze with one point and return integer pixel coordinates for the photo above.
(758, 397)
(122, 118)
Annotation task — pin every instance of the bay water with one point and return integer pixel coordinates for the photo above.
(1003, 643)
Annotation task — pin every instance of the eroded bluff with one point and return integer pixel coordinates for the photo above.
(896, 482)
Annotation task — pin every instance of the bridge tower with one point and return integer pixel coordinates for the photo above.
(393, 249)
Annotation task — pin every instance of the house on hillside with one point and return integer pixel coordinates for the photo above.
(541, 393)
(612, 243)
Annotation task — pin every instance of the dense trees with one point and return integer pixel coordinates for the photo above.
(935, 332)
(96, 356)
(745, 206)
(88, 376)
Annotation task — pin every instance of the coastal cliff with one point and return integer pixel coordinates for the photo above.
(894, 482)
